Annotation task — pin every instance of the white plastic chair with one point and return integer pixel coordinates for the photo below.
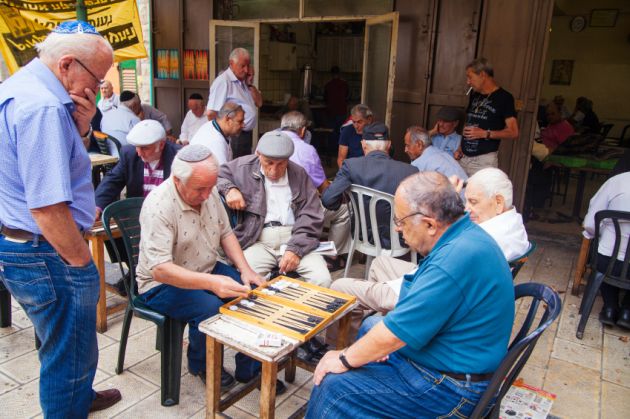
(360, 198)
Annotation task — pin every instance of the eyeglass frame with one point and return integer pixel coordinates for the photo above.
(398, 221)
(99, 81)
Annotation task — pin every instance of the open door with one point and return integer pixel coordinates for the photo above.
(225, 35)
(379, 65)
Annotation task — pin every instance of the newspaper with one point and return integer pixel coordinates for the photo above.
(523, 401)
(324, 249)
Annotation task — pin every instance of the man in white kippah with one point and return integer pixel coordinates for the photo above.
(282, 217)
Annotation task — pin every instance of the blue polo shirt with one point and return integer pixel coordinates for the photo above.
(449, 143)
(455, 313)
(42, 158)
(433, 159)
(348, 136)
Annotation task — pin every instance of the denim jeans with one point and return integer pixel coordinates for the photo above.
(195, 306)
(61, 302)
(393, 389)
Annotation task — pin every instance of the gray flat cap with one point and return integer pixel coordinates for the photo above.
(193, 153)
(448, 113)
(275, 145)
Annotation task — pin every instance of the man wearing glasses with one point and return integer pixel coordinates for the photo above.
(218, 133)
(46, 202)
(450, 327)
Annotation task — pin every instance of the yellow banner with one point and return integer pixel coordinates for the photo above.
(25, 23)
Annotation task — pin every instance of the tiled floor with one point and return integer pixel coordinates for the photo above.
(591, 377)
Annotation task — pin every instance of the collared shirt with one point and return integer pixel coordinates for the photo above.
(227, 88)
(157, 115)
(118, 122)
(306, 156)
(107, 104)
(555, 134)
(191, 125)
(278, 195)
(508, 231)
(42, 158)
(448, 143)
(153, 176)
(211, 136)
(436, 160)
(455, 314)
(173, 231)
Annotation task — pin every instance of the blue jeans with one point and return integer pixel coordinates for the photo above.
(193, 307)
(392, 389)
(61, 302)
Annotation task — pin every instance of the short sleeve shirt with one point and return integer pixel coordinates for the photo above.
(352, 140)
(306, 156)
(227, 88)
(448, 143)
(173, 231)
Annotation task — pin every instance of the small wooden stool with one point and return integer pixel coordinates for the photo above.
(580, 267)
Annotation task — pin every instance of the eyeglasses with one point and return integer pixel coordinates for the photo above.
(98, 81)
(398, 222)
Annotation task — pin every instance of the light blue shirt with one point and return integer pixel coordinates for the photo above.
(118, 122)
(227, 88)
(448, 143)
(436, 160)
(42, 158)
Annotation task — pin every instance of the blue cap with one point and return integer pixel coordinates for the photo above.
(75, 26)
(376, 132)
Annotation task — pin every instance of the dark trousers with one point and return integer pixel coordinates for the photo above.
(241, 145)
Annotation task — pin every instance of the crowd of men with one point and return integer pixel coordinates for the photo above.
(443, 324)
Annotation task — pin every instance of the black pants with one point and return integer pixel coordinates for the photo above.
(241, 145)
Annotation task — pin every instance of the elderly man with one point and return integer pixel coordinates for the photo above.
(426, 157)
(376, 170)
(490, 117)
(294, 125)
(282, 215)
(46, 202)
(350, 136)
(449, 330)
(218, 133)
(232, 86)
(118, 122)
(194, 119)
(109, 100)
(443, 134)
(183, 226)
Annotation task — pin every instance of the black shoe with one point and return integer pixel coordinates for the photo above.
(280, 387)
(227, 380)
(608, 316)
(624, 318)
(120, 285)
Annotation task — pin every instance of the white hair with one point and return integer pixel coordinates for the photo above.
(182, 170)
(293, 121)
(494, 182)
(83, 45)
(419, 134)
(380, 145)
(238, 53)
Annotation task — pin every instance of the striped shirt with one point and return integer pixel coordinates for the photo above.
(153, 176)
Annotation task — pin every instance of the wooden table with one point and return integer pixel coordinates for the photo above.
(101, 159)
(96, 236)
(580, 267)
(225, 330)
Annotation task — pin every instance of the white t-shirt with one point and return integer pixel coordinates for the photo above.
(191, 125)
(508, 231)
(209, 136)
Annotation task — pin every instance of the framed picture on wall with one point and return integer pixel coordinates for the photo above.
(561, 72)
(603, 18)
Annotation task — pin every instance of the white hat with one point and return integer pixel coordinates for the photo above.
(146, 132)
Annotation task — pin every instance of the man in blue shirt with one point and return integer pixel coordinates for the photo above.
(435, 352)
(443, 134)
(351, 135)
(428, 158)
(46, 202)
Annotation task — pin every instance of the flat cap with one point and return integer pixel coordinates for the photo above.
(275, 145)
(448, 113)
(376, 132)
(146, 132)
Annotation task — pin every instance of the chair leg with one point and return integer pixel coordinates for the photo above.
(587, 289)
(587, 300)
(5, 307)
(171, 359)
(349, 260)
(123, 339)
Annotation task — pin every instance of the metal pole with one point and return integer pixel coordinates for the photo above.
(81, 11)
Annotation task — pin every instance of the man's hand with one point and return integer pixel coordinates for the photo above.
(234, 199)
(329, 363)
(457, 183)
(225, 287)
(434, 130)
(289, 262)
(458, 154)
(85, 110)
(251, 277)
(97, 216)
(472, 132)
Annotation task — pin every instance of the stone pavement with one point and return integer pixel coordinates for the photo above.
(591, 377)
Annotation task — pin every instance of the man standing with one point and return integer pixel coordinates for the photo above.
(195, 118)
(109, 100)
(350, 136)
(428, 158)
(336, 94)
(449, 330)
(231, 86)
(46, 202)
(117, 122)
(490, 117)
(223, 129)
(443, 134)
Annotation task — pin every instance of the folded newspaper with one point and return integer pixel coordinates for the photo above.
(324, 249)
(523, 401)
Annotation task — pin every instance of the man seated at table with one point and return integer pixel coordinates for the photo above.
(426, 157)
(194, 119)
(117, 122)
(282, 217)
(217, 134)
(443, 134)
(449, 330)
(350, 136)
(183, 226)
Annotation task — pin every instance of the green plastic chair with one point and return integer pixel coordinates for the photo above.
(126, 215)
(517, 264)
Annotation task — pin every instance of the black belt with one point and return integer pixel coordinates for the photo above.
(17, 234)
(472, 377)
(272, 224)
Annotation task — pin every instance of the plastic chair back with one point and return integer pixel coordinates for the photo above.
(521, 346)
(616, 218)
(517, 263)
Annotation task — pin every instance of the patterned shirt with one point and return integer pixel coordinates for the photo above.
(153, 177)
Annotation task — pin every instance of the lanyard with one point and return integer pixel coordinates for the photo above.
(214, 123)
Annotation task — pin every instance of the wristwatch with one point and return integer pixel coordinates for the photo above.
(488, 135)
(88, 135)
(344, 361)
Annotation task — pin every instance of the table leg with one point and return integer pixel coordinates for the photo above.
(97, 245)
(268, 390)
(289, 370)
(579, 195)
(344, 328)
(580, 266)
(214, 351)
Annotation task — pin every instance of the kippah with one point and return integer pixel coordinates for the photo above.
(196, 96)
(126, 95)
(193, 153)
(75, 26)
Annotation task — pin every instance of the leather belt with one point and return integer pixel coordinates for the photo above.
(272, 224)
(473, 377)
(17, 234)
